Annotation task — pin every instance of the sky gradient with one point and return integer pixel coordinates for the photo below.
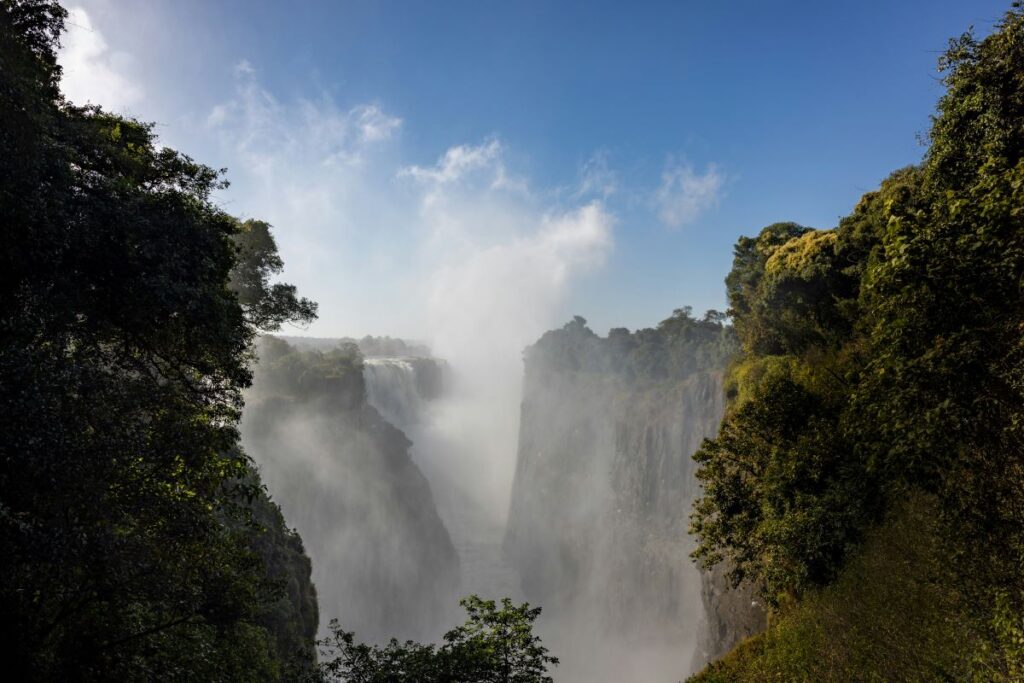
(437, 169)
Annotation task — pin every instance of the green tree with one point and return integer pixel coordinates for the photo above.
(124, 503)
(495, 645)
(784, 497)
(266, 304)
(943, 396)
(884, 358)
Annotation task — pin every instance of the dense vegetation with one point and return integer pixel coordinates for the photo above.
(882, 363)
(885, 618)
(368, 345)
(289, 374)
(388, 346)
(495, 645)
(868, 477)
(138, 542)
(678, 347)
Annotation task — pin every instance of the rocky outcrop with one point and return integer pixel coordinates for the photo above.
(383, 562)
(605, 481)
(291, 618)
(730, 615)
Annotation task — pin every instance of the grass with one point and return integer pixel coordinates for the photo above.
(892, 615)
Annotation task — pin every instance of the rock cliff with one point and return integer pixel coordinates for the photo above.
(603, 491)
(383, 562)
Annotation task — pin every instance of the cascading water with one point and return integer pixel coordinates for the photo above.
(391, 388)
(604, 485)
(596, 533)
(383, 562)
(410, 393)
(598, 526)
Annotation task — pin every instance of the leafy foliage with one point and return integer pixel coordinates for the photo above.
(678, 347)
(886, 617)
(884, 357)
(124, 504)
(796, 498)
(335, 376)
(495, 645)
(266, 304)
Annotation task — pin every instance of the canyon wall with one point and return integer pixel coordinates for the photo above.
(383, 562)
(603, 490)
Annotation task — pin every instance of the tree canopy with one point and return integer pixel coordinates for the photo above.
(676, 348)
(130, 303)
(884, 357)
(495, 645)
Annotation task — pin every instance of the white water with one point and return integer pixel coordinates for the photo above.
(391, 388)
(439, 445)
(592, 633)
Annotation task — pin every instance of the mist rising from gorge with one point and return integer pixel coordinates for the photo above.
(598, 442)
(492, 266)
(383, 562)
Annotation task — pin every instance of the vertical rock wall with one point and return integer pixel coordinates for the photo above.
(383, 562)
(598, 525)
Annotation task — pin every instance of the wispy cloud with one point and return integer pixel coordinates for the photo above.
(374, 125)
(597, 178)
(685, 194)
(459, 161)
(496, 248)
(92, 72)
(451, 241)
(267, 132)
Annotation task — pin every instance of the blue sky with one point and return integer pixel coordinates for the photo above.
(470, 168)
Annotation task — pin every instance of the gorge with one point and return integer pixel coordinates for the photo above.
(382, 559)
(824, 482)
(364, 458)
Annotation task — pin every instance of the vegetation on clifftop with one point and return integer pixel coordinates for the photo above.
(882, 363)
(678, 347)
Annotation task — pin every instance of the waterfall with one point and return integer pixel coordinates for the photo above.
(393, 389)
(407, 391)
(598, 522)
(344, 476)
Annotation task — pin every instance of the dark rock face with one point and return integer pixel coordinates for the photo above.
(731, 614)
(383, 562)
(601, 503)
(598, 525)
(294, 616)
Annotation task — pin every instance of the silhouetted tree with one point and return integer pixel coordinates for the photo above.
(124, 502)
(495, 645)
